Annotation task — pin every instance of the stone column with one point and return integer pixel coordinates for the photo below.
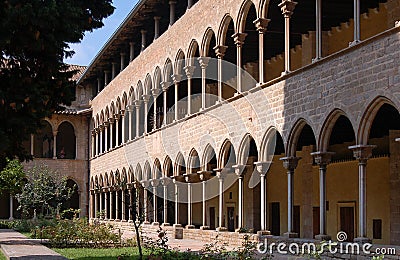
(106, 124)
(155, 183)
(322, 159)
(221, 174)
(122, 61)
(189, 70)
(176, 203)
(143, 32)
(96, 204)
(137, 106)
(123, 127)
(171, 12)
(105, 204)
(101, 202)
(130, 204)
(117, 130)
(131, 51)
(33, 144)
(11, 207)
(240, 172)
(362, 153)
(91, 204)
(165, 86)
(55, 144)
(97, 151)
(99, 87)
(165, 182)
(356, 22)
(117, 206)
(203, 64)
(146, 99)
(129, 116)
(156, 27)
(155, 92)
(111, 133)
(111, 205)
(290, 164)
(93, 146)
(261, 26)
(123, 204)
(101, 128)
(262, 169)
(176, 78)
(239, 41)
(204, 177)
(106, 72)
(220, 53)
(189, 4)
(287, 7)
(318, 30)
(113, 70)
(145, 185)
(188, 179)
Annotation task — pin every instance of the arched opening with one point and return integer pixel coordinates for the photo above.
(229, 72)
(341, 137)
(194, 162)
(170, 113)
(73, 201)
(43, 141)
(66, 141)
(211, 70)
(250, 46)
(182, 85)
(169, 172)
(196, 82)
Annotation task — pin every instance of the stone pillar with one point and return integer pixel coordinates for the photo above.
(130, 205)
(155, 92)
(189, 4)
(111, 205)
(123, 205)
(91, 204)
(146, 99)
(356, 22)
(33, 144)
(240, 172)
(156, 27)
(101, 202)
(188, 179)
(287, 7)
(106, 124)
(111, 133)
(123, 127)
(165, 182)
(143, 32)
(261, 26)
(322, 159)
(239, 41)
(155, 183)
(101, 128)
(204, 177)
(290, 163)
(165, 86)
(96, 204)
(113, 70)
(117, 130)
(189, 70)
(55, 144)
(362, 153)
(131, 51)
(318, 30)
(96, 130)
(221, 174)
(171, 12)
(220, 53)
(122, 65)
(176, 203)
(262, 169)
(106, 204)
(176, 78)
(203, 64)
(99, 87)
(11, 207)
(117, 206)
(137, 106)
(92, 141)
(106, 72)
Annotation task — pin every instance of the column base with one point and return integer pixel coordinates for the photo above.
(146, 222)
(10, 218)
(291, 235)
(323, 237)
(222, 229)
(285, 72)
(397, 24)
(155, 223)
(362, 240)
(263, 233)
(130, 221)
(165, 225)
(111, 219)
(190, 227)
(117, 220)
(354, 43)
(124, 220)
(204, 228)
(177, 225)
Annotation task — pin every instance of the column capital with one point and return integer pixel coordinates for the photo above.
(239, 38)
(362, 152)
(176, 78)
(106, 123)
(155, 92)
(111, 120)
(203, 61)
(261, 24)
(397, 139)
(155, 182)
(239, 170)
(191, 177)
(165, 85)
(137, 103)
(221, 173)
(262, 167)
(114, 63)
(131, 43)
(157, 18)
(322, 158)
(205, 175)
(290, 163)
(287, 7)
(146, 98)
(189, 70)
(129, 108)
(143, 31)
(123, 54)
(172, 2)
(165, 181)
(145, 183)
(220, 50)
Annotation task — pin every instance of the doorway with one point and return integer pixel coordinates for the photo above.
(212, 218)
(275, 219)
(346, 215)
(231, 219)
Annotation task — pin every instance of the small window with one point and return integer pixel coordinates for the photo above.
(230, 195)
(377, 228)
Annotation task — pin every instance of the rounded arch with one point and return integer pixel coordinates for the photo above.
(179, 166)
(124, 100)
(244, 149)
(131, 95)
(43, 143)
(113, 110)
(157, 78)
(167, 167)
(66, 141)
(205, 44)
(101, 121)
(263, 8)
(191, 53)
(146, 171)
(295, 135)
(193, 164)
(271, 144)
(167, 70)
(242, 16)
(148, 85)
(118, 105)
(223, 29)
(138, 173)
(157, 171)
(227, 154)
(369, 116)
(208, 160)
(138, 91)
(179, 61)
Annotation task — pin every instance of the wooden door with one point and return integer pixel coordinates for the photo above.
(347, 222)
(231, 219)
(212, 217)
(315, 221)
(275, 219)
(296, 219)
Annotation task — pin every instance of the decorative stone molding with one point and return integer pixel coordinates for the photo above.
(322, 158)
(290, 163)
(239, 38)
(261, 24)
(362, 152)
(287, 7)
(220, 50)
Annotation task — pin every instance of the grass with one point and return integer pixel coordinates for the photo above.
(2, 256)
(99, 253)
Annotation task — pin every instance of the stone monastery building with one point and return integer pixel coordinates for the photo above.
(262, 116)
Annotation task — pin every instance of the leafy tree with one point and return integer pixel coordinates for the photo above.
(12, 177)
(46, 191)
(35, 37)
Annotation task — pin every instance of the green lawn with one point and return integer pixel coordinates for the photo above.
(98, 253)
(2, 257)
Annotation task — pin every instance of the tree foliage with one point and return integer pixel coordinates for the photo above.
(35, 37)
(12, 177)
(46, 191)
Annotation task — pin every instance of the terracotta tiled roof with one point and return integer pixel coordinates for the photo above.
(80, 70)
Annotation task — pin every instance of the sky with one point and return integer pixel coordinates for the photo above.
(94, 41)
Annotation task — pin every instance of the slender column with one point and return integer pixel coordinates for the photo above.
(130, 205)
(99, 86)
(290, 163)
(129, 117)
(96, 130)
(318, 33)
(111, 133)
(137, 106)
(171, 12)
(287, 8)
(155, 183)
(113, 70)
(156, 27)
(165, 86)
(356, 22)
(322, 159)
(221, 174)
(239, 41)
(122, 65)
(11, 207)
(176, 203)
(146, 99)
(143, 32)
(145, 185)
(123, 134)
(261, 26)
(362, 153)
(189, 4)
(101, 139)
(55, 144)
(204, 176)
(188, 179)
(106, 148)
(101, 202)
(189, 70)
(111, 205)
(176, 78)
(165, 182)
(240, 172)
(131, 51)
(92, 142)
(96, 205)
(117, 206)
(155, 92)
(123, 205)
(105, 204)
(106, 72)
(203, 64)
(33, 144)
(220, 52)
(91, 203)
(116, 130)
